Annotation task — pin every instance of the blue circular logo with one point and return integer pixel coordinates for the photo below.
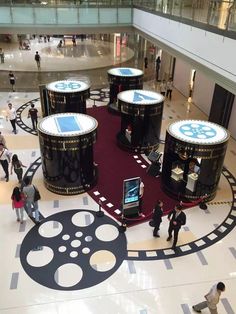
(197, 131)
(67, 86)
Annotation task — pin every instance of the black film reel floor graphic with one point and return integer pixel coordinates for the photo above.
(73, 250)
(211, 238)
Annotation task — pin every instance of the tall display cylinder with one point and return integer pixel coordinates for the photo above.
(66, 96)
(141, 116)
(122, 79)
(193, 159)
(66, 145)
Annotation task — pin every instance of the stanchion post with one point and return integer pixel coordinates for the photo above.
(122, 228)
(99, 213)
(202, 204)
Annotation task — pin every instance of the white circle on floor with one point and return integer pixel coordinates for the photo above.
(68, 275)
(50, 229)
(62, 249)
(40, 257)
(65, 237)
(102, 260)
(82, 219)
(107, 233)
(88, 239)
(73, 254)
(85, 250)
(75, 243)
(79, 234)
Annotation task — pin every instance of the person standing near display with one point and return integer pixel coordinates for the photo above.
(177, 219)
(141, 192)
(163, 88)
(11, 115)
(157, 218)
(4, 160)
(33, 114)
(12, 80)
(37, 58)
(169, 88)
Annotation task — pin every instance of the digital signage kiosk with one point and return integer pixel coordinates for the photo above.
(131, 196)
(66, 145)
(66, 96)
(141, 116)
(122, 79)
(193, 159)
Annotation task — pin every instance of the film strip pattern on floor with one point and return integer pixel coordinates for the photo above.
(100, 94)
(19, 121)
(211, 238)
(192, 247)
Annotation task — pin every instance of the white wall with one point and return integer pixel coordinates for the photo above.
(232, 121)
(203, 92)
(182, 77)
(204, 48)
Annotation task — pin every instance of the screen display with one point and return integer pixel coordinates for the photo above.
(131, 190)
(67, 124)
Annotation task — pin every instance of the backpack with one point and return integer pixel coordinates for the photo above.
(37, 57)
(37, 195)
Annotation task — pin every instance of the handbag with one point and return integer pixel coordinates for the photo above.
(37, 196)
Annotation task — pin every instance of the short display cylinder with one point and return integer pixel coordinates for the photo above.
(66, 145)
(141, 116)
(66, 96)
(193, 159)
(122, 79)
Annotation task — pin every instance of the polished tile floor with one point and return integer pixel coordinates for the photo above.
(143, 283)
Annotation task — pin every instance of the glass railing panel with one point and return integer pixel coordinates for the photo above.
(232, 18)
(45, 16)
(124, 16)
(201, 9)
(187, 9)
(22, 15)
(218, 15)
(107, 16)
(67, 16)
(176, 7)
(88, 16)
(5, 15)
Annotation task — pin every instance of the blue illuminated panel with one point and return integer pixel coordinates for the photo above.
(67, 124)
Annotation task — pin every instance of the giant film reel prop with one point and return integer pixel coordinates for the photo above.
(73, 250)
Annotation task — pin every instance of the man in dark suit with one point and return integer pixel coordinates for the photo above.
(157, 218)
(177, 219)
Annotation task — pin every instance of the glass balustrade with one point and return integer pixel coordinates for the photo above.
(216, 13)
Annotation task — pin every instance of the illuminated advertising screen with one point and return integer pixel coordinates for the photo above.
(131, 192)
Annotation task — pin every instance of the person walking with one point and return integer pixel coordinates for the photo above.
(177, 219)
(212, 299)
(2, 55)
(4, 160)
(158, 65)
(18, 201)
(157, 218)
(33, 114)
(163, 88)
(37, 58)
(12, 80)
(31, 204)
(11, 115)
(2, 140)
(17, 165)
(146, 62)
(169, 88)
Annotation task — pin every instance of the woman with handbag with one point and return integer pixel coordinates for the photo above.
(18, 201)
(32, 196)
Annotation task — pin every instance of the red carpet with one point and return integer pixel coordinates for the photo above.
(115, 165)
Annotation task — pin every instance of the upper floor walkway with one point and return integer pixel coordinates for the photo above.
(20, 15)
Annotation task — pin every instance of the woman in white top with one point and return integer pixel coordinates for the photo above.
(163, 88)
(11, 115)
